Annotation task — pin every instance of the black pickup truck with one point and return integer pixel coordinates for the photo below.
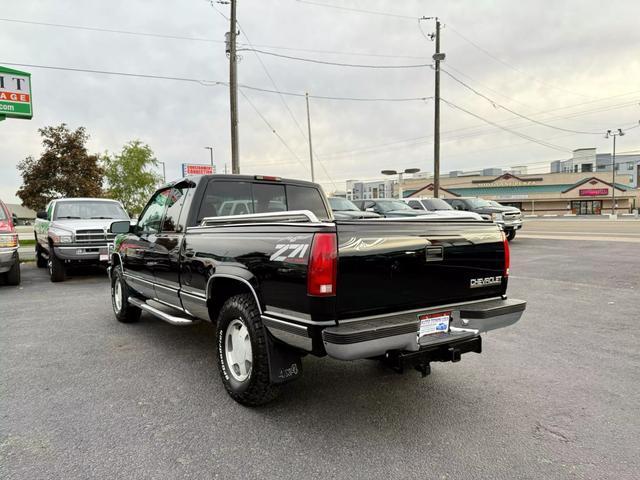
(283, 279)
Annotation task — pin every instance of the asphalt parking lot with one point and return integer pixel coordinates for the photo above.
(555, 396)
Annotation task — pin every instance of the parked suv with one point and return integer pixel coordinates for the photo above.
(9, 243)
(75, 231)
(509, 218)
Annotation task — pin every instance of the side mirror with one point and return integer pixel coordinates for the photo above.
(370, 209)
(121, 226)
(14, 218)
(416, 207)
(42, 214)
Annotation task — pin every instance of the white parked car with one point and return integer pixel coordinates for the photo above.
(438, 207)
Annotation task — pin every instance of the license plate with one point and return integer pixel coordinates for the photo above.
(431, 323)
(104, 257)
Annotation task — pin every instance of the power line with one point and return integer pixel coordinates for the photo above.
(273, 130)
(207, 40)
(124, 74)
(110, 30)
(422, 140)
(323, 62)
(514, 132)
(496, 104)
(353, 99)
(280, 94)
(512, 67)
(335, 52)
(208, 83)
(357, 10)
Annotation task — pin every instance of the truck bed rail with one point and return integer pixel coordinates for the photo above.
(286, 216)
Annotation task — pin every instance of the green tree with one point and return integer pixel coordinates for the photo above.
(130, 176)
(64, 169)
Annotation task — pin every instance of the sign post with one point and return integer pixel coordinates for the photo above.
(15, 94)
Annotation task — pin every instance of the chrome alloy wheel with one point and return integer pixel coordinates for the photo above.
(238, 351)
(117, 295)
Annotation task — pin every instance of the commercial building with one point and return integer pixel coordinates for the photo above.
(359, 190)
(579, 193)
(25, 215)
(586, 160)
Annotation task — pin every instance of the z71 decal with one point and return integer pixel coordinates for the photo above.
(289, 251)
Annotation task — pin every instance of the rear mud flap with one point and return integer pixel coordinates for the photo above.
(285, 364)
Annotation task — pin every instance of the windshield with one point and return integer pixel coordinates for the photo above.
(494, 203)
(390, 205)
(342, 205)
(478, 203)
(435, 204)
(89, 209)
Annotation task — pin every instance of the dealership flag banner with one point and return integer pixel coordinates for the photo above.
(15, 94)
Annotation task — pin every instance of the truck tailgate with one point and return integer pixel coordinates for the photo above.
(386, 266)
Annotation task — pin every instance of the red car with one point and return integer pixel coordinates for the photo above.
(9, 260)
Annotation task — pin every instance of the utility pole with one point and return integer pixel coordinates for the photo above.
(233, 89)
(313, 177)
(437, 57)
(610, 133)
(164, 173)
(436, 114)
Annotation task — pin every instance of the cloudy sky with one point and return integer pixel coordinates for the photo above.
(574, 65)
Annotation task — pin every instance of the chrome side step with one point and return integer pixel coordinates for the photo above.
(167, 317)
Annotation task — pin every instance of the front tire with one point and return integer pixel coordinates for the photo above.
(41, 262)
(243, 362)
(56, 267)
(13, 275)
(120, 292)
(511, 234)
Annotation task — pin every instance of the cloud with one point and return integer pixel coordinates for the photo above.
(551, 55)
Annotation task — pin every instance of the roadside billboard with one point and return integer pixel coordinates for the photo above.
(197, 169)
(15, 94)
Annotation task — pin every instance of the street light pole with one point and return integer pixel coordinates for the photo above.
(211, 152)
(313, 177)
(394, 172)
(613, 134)
(164, 173)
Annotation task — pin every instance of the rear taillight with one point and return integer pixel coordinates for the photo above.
(8, 240)
(507, 255)
(323, 265)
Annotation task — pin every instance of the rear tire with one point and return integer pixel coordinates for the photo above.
(244, 370)
(13, 275)
(56, 267)
(41, 262)
(120, 292)
(511, 234)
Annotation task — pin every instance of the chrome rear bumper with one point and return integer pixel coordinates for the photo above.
(381, 334)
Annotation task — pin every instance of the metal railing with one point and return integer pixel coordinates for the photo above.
(286, 216)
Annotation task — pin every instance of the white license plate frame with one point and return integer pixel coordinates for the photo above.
(433, 323)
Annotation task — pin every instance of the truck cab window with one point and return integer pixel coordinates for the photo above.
(222, 199)
(269, 198)
(306, 198)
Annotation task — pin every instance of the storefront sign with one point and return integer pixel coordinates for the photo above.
(593, 192)
(197, 169)
(15, 94)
